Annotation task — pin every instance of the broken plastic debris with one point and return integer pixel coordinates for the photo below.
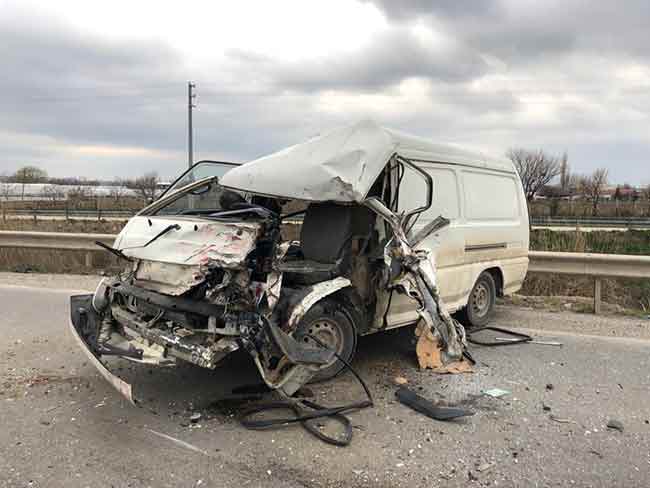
(615, 425)
(485, 467)
(534, 341)
(496, 392)
(560, 420)
(424, 406)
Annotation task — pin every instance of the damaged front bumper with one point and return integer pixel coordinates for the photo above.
(284, 363)
(83, 326)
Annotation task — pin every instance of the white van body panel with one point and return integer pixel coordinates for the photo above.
(488, 231)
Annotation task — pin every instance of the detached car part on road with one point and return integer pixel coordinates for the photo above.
(208, 271)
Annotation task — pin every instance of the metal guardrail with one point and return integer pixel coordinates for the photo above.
(626, 223)
(597, 266)
(56, 241)
(71, 213)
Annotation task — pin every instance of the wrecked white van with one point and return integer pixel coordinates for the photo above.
(208, 271)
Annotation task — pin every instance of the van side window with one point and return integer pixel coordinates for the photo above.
(445, 193)
(490, 196)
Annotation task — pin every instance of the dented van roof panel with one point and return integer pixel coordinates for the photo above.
(343, 164)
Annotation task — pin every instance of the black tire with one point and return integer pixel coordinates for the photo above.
(330, 322)
(480, 305)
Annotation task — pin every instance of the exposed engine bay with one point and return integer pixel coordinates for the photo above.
(209, 270)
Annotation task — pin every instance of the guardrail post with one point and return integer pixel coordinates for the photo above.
(89, 259)
(597, 294)
(67, 211)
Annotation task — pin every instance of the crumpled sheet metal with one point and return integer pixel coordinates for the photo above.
(312, 295)
(342, 165)
(418, 280)
(197, 242)
(339, 166)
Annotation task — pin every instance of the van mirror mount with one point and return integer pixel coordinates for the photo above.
(429, 183)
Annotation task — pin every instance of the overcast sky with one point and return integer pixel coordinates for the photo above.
(98, 89)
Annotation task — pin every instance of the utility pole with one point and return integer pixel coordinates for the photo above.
(190, 105)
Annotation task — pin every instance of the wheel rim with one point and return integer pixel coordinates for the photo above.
(481, 299)
(325, 330)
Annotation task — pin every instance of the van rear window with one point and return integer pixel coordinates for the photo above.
(490, 196)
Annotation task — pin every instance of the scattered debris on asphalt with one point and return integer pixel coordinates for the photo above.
(614, 424)
(180, 442)
(516, 337)
(545, 407)
(400, 380)
(496, 392)
(426, 407)
(484, 467)
(560, 420)
(549, 386)
(533, 341)
(195, 417)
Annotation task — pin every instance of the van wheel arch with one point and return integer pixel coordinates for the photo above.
(482, 299)
(497, 276)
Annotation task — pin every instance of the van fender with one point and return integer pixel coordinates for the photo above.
(312, 295)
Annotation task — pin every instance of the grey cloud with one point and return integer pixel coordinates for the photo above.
(525, 31)
(61, 88)
(390, 58)
(59, 83)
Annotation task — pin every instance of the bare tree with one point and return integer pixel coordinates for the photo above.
(536, 169)
(646, 193)
(53, 192)
(5, 187)
(28, 174)
(77, 194)
(593, 187)
(145, 185)
(565, 174)
(117, 189)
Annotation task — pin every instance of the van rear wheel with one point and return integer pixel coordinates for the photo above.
(480, 305)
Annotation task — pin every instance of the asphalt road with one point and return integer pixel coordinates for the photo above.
(63, 425)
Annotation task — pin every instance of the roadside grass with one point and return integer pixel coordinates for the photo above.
(61, 225)
(606, 242)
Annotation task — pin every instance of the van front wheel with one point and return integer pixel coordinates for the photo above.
(332, 324)
(482, 298)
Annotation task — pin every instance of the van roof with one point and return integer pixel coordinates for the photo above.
(343, 164)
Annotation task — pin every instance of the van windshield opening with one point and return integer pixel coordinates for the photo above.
(200, 170)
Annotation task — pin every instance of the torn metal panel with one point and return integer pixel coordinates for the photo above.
(168, 278)
(274, 278)
(311, 295)
(415, 275)
(198, 242)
